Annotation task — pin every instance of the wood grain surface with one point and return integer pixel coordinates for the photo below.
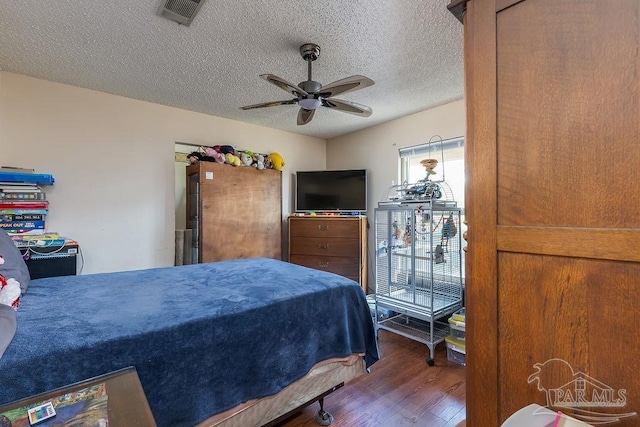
(553, 124)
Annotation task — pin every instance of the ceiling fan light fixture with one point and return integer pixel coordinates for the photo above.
(310, 103)
(310, 95)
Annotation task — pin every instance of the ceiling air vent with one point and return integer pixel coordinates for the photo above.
(181, 11)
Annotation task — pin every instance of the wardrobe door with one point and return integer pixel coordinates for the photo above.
(554, 252)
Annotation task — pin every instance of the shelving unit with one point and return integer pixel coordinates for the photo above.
(23, 211)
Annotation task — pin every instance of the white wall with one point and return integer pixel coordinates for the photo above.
(1, 122)
(376, 149)
(113, 161)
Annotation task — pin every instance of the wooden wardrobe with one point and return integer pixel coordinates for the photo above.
(234, 212)
(552, 91)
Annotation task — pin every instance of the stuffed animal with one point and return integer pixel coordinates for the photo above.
(232, 159)
(197, 156)
(9, 290)
(225, 149)
(277, 162)
(216, 155)
(246, 159)
(267, 163)
(194, 157)
(259, 161)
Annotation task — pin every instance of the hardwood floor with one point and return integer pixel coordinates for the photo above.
(401, 390)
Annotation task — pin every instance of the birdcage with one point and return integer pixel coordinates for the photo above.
(418, 269)
(418, 259)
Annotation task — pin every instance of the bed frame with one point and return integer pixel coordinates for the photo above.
(322, 380)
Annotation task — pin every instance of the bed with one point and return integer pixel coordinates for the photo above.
(213, 343)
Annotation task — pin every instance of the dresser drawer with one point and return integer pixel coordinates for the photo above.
(325, 228)
(348, 267)
(327, 246)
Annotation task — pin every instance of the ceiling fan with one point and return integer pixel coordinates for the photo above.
(310, 95)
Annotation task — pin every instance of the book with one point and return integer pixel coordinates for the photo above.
(22, 225)
(21, 217)
(38, 242)
(23, 212)
(24, 204)
(8, 187)
(23, 177)
(16, 169)
(36, 232)
(44, 236)
(22, 195)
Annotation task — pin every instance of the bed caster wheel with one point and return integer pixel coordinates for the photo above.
(324, 418)
(430, 362)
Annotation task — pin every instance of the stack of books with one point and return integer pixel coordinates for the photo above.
(23, 203)
(42, 244)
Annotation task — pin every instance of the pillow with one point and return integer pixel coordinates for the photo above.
(14, 266)
(7, 326)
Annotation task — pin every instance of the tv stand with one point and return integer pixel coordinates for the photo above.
(334, 243)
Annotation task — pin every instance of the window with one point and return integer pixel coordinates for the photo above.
(450, 156)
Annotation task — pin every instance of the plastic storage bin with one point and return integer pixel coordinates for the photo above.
(457, 325)
(459, 316)
(456, 351)
(457, 329)
(383, 312)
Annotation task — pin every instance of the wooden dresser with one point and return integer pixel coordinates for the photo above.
(336, 244)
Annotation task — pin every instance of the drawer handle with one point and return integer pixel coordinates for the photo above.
(323, 264)
(323, 227)
(323, 246)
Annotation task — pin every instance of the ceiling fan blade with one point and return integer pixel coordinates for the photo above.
(305, 116)
(348, 107)
(283, 84)
(269, 104)
(348, 84)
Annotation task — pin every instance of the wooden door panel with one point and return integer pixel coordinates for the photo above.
(578, 310)
(241, 212)
(568, 114)
(544, 316)
(614, 344)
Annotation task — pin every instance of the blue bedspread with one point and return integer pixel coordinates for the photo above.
(203, 338)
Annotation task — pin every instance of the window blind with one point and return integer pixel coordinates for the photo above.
(434, 148)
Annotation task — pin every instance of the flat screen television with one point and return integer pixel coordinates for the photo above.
(331, 191)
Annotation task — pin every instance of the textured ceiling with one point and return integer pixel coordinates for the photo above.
(412, 49)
